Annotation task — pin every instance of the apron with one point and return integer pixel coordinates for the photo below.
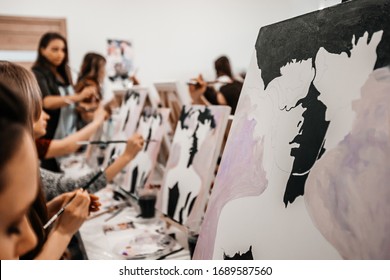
(67, 120)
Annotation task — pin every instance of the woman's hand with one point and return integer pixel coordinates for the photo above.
(197, 89)
(88, 92)
(74, 214)
(94, 206)
(100, 114)
(54, 205)
(134, 145)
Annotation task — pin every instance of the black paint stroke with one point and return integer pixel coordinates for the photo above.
(311, 144)
(191, 205)
(134, 177)
(173, 198)
(237, 256)
(184, 207)
(126, 120)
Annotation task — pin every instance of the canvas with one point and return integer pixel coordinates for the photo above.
(151, 126)
(191, 163)
(304, 174)
(125, 121)
(172, 96)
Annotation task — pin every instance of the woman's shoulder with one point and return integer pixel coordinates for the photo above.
(39, 70)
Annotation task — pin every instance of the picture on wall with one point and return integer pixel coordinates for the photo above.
(151, 126)
(120, 59)
(305, 170)
(192, 161)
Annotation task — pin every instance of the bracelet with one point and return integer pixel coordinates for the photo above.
(68, 101)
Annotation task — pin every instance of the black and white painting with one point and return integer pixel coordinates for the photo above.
(192, 160)
(151, 125)
(305, 171)
(125, 121)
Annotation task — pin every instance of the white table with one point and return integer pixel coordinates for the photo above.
(100, 245)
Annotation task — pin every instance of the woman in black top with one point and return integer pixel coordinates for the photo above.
(54, 79)
(225, 90)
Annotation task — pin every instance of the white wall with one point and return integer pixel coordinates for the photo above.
(173, 39)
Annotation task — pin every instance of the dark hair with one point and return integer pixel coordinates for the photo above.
(42, 61)
(222, 66)
(90, 66)
(89, 72)
(13, 121)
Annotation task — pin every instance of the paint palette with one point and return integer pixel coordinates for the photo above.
(146, 245)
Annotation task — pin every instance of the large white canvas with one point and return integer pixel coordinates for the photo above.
(304, 174)
(190, 168)
(151, 126)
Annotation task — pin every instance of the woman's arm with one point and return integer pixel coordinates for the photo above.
(56, 183)
(133, 146)
(66, 226)
(52, 102)
(68, 145)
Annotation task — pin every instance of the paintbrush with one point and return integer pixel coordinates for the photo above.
(170, 253)
(197, 84)
(86, 186)
(109, 142)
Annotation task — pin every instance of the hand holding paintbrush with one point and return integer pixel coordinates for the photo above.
(73, 214)
(70, 202)
(59, 201)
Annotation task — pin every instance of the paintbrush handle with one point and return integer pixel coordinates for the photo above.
(86, 186)
(54, 218)
(108, 142)
(101, 142)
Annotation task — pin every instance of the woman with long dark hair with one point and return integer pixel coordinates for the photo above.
(53, 75)
(92, 73)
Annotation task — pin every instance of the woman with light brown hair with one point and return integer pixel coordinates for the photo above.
(58, 184)
(18, 177)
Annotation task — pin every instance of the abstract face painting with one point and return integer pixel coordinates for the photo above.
(151, 125)
(303, 175)
(190, 167)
